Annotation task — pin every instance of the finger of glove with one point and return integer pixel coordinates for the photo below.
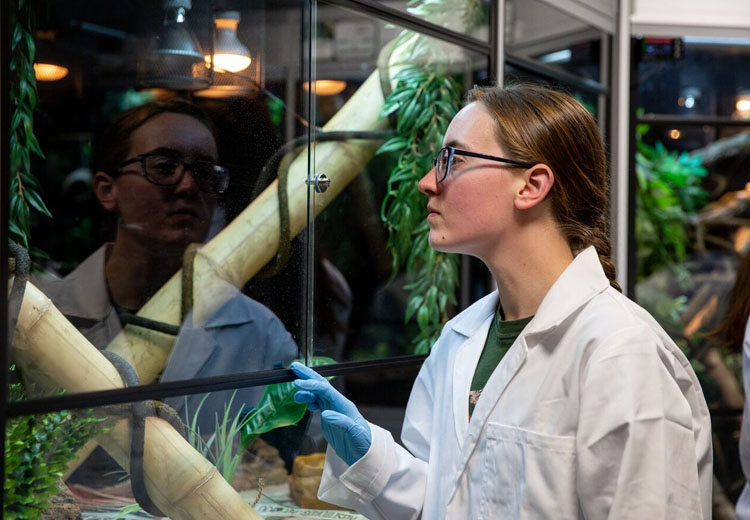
(327, 395)
(304, 372)
(303, 396)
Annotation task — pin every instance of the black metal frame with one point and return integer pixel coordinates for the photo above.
(4, 184)
(195, 386)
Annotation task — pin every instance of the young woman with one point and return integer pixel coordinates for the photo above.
(553, 397)
(734, 331)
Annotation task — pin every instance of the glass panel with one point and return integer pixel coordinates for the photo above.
(536, 30)
(588, 99)
(128, 193)
(280, 469)
(692, 224)
(360, 303)
(710, 79)
(471, 17)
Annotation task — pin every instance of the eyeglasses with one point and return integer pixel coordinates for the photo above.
(442, 163)
(167, 170)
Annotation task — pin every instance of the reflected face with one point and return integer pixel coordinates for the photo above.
(166, 215)
(472, 209)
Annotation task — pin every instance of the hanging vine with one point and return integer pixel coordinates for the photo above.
(425, 98)
(24, 187)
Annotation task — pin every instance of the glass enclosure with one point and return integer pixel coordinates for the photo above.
(204, 192)
(692, 212)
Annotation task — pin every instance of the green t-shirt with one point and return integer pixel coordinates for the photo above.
(501, 336)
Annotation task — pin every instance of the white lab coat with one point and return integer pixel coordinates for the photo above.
(593, 413)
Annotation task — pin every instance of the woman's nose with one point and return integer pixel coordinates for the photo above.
(428, 183)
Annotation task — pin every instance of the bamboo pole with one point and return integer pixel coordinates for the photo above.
(179, 480)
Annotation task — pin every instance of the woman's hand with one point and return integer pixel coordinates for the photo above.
(343, 426)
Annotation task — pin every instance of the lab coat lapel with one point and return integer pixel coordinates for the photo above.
(467, 357)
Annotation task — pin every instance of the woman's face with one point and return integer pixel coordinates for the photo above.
(166, 215)
(472, 210)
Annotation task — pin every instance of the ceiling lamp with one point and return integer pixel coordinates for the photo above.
(325, 87)
(49, 72)
(229, 53)
(176, 62)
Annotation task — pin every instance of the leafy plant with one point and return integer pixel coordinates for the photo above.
(220, 446)
(275, 409)
(24, 187)
(37, 451)
(424, 100)
(668, 194)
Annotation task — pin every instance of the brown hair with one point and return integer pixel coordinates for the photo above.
(536, 124)
(113, 145)
(732, 327)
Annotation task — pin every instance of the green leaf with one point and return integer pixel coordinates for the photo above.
(276, 408)
(36, 202)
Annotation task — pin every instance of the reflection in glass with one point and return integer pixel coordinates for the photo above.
(538, 31)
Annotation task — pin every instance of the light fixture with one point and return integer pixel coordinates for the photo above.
(49, 72)
(229, 53)
(674, 133)
(325, 87)
(742, 105)
(176, 62)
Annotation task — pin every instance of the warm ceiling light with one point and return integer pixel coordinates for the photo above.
(674, 133)
(49, 72)
(326, 87)
(229, 53)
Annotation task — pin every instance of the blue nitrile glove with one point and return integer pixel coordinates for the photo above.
(343, 426)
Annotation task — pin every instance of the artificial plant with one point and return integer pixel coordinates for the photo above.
(668, 195)
(37, 450)
(425, 98)
(24, 194)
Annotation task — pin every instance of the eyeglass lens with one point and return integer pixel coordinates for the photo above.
(165, 170)
(441, 165)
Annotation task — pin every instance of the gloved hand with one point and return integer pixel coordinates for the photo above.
(343, 426)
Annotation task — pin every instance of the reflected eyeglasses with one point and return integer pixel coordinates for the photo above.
(442, 163)
(167, 170)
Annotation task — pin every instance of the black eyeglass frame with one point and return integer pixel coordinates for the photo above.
(216, 167)
(457, 151)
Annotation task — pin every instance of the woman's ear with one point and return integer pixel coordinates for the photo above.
(538, 181)
(104, 189)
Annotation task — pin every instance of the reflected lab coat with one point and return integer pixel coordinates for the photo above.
(593, 413)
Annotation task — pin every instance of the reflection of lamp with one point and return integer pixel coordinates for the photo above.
(325, 87)
(177, 61)
(229, 53)
(49, 72)
(742, 105)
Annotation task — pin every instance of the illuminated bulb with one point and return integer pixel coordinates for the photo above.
(49, 72)
(229, 53)
(674, 133)
(743, 105)
(326, 87)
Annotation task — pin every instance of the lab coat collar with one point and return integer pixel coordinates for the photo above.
(582, 280)
(83, 293)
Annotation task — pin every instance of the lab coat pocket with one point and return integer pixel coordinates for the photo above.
(528, 474)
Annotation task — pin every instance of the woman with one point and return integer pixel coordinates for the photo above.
(735, 324)
(584, 408)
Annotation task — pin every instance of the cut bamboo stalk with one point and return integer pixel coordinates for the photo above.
(179, 480)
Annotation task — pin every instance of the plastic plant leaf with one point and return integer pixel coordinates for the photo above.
(276, 408)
